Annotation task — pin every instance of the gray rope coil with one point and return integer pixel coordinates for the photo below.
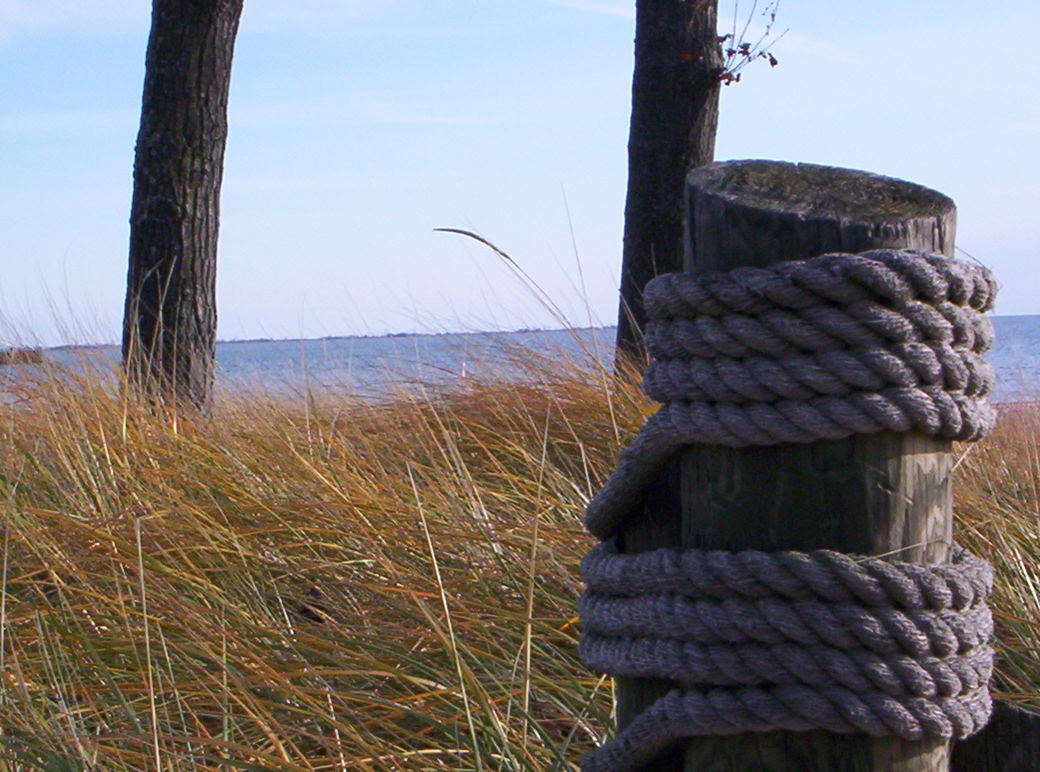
(801, 351)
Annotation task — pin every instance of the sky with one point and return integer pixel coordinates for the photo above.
(357, 127)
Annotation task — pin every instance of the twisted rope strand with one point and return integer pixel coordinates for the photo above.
(796, 708)
(824, 575)
(832, 373)
(776, 621)
(697, 664)
(895, 276)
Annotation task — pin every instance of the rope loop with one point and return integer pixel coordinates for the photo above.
(884, 341)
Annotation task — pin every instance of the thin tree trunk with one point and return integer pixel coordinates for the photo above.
(675, 108)
(170, 317)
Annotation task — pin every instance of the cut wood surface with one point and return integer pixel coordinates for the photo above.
(885, 494)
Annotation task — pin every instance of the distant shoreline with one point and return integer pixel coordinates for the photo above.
(391, 335)
(386, 336)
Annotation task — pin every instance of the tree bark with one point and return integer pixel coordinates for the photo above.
(170, 316)
(675, 108)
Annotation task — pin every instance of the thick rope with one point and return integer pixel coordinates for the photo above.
(682, 714)
(788, 640)
(761, 356)
(801, 351)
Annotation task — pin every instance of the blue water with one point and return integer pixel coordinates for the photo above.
(1016, 358)
(366, 365)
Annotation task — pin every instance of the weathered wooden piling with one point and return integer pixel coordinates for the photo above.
(885, 494)
(1009, 743)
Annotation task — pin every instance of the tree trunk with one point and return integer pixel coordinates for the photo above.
(675, 109)
(170, 317)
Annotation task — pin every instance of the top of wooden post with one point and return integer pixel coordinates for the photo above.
(757, 213)
(814, 191)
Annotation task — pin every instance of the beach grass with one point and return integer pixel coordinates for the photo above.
(323, 582)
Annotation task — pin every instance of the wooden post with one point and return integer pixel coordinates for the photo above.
(1009, 743)
(885, 494)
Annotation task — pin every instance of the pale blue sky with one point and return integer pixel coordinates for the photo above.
(359, 126)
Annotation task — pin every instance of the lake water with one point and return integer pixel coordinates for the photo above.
(368, 364)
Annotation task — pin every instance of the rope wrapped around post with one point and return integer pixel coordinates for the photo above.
(801, 351)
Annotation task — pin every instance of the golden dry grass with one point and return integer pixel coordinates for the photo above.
(997, 495)
(324, 583)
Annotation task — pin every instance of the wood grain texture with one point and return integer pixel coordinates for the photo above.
(885, 494)
(1010, 743)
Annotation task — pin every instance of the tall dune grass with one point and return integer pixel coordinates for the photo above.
(997, 495)
(328, 583)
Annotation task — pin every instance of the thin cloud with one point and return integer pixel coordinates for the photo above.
(1028, 126)
(358, 111)
(27, 17)
(20, 18)
(624, 9)
(69, 121)
(310, 14)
